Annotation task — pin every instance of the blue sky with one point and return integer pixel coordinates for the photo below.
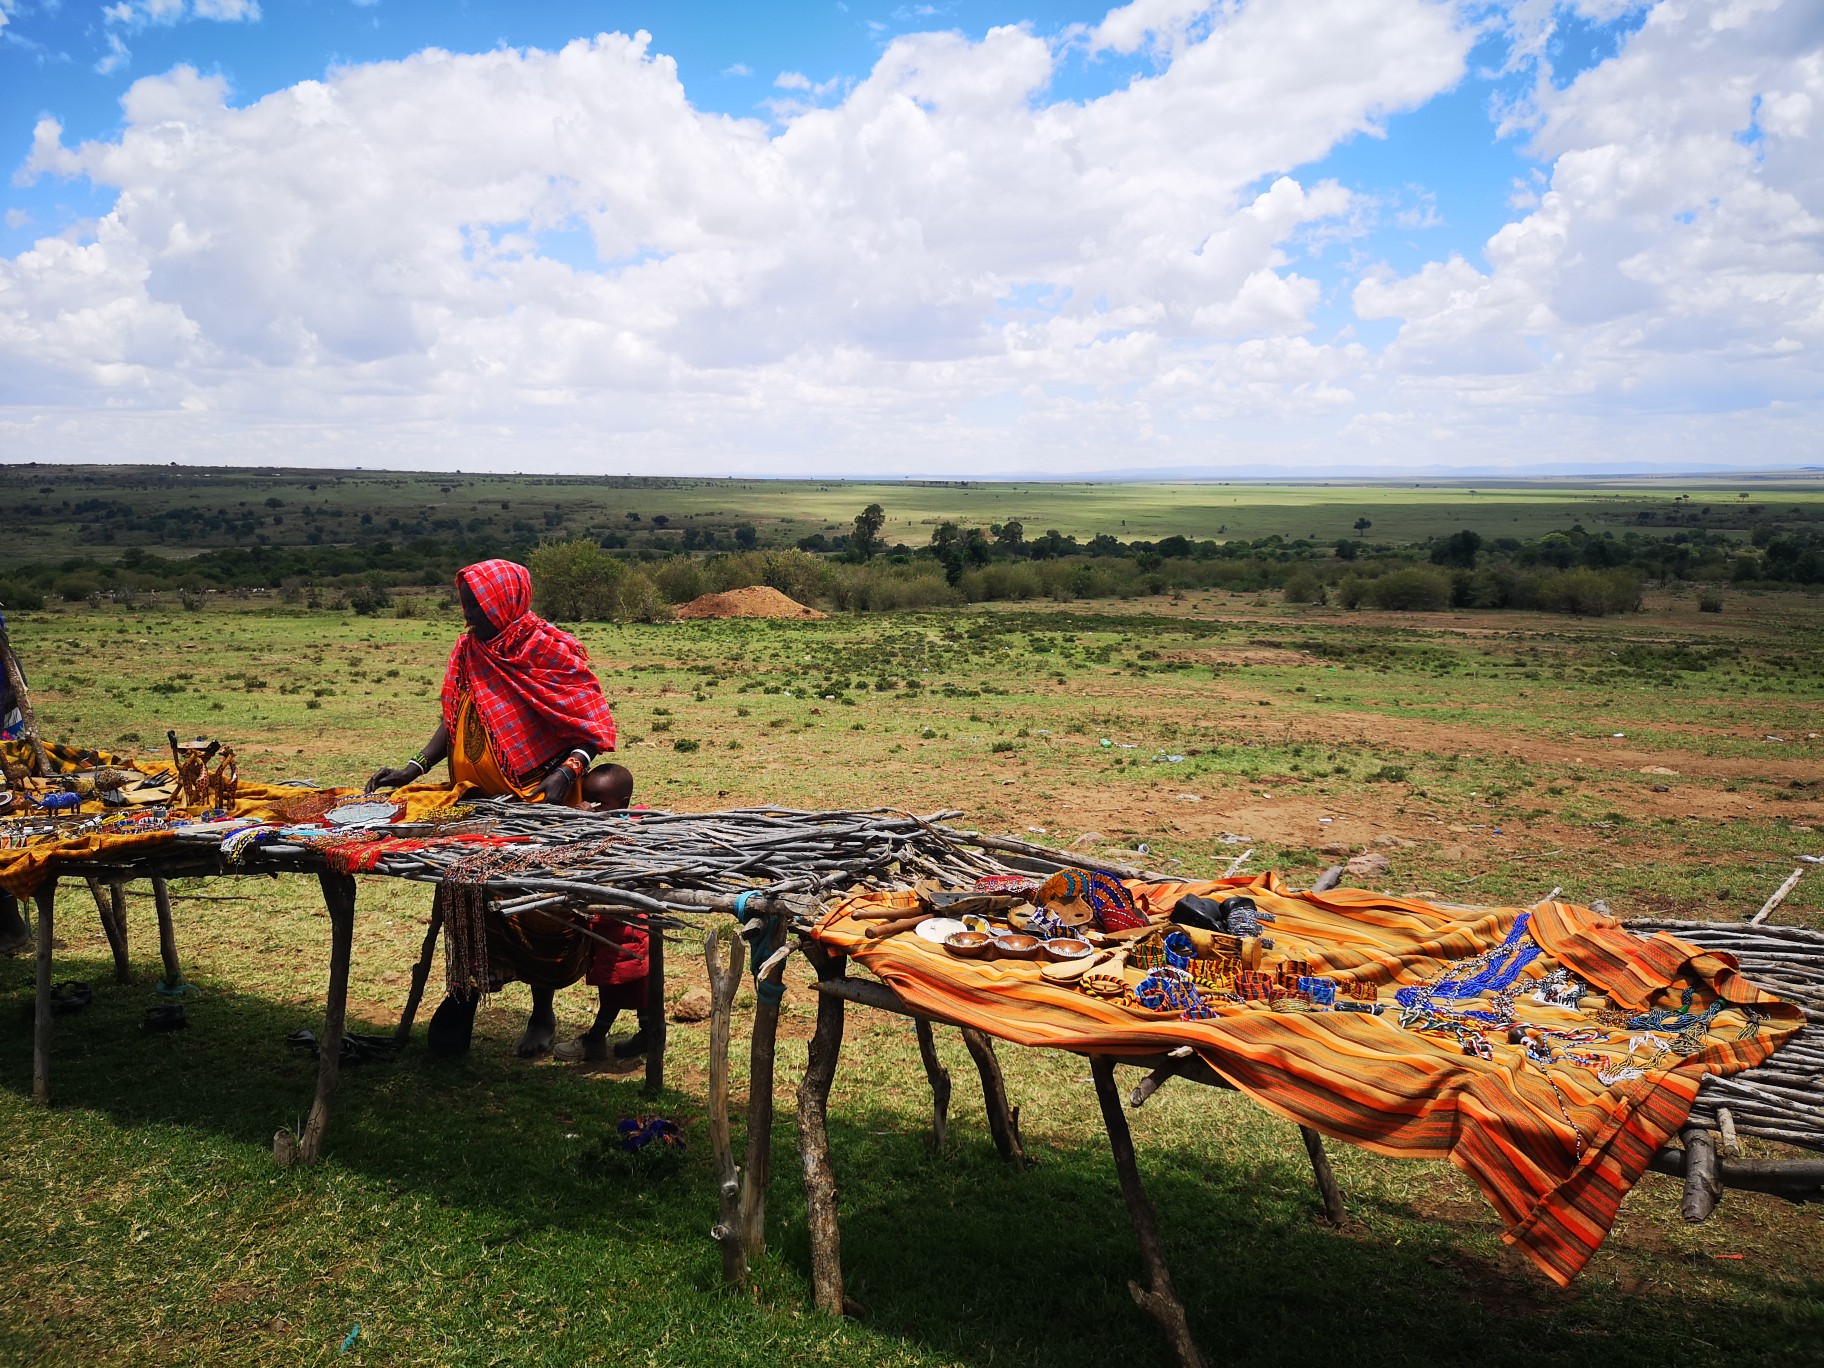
(1372, 307)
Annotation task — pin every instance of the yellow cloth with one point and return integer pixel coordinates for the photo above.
(23, 868)
(473, 767)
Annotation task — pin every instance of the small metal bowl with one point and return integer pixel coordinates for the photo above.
(1065, 948)
(1017, 945)
(969, 944)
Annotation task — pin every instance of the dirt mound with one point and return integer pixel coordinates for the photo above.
(759, 601)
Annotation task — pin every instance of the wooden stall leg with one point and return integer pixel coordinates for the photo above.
(167, 937)
(940, 1082)
(1003, 1120)
(421, 971)
(756, 1177)
(1160, 1301)
(41, 1021)
(1703, 1183)
(15, 935)
(814, 1139)
(724, 981)
(1334, 1210)
(652, 1021)
(110, 906)
(339, 898)
(117, 907)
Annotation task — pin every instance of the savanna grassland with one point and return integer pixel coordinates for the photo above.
(56, 512)
(1667, 761)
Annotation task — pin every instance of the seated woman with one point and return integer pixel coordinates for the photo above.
(523, 714)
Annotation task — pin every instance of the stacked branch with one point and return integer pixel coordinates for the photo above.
(1782, 1099)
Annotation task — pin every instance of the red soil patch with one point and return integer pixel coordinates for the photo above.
(757, 601)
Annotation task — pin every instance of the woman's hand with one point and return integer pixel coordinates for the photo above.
(392, 778)
(556, 785)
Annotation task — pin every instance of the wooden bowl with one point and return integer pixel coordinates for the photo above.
(969, 944)
(1065, 948)
(1017, 945)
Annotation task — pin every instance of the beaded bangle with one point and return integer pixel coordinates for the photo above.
(416, 760)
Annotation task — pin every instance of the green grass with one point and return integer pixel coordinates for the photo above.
(455, 1220)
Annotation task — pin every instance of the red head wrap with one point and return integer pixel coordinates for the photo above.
(531, 682)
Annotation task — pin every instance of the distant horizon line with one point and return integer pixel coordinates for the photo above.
(1165, 476)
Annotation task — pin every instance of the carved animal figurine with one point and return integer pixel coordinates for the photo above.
(224, 780)
(59, 802)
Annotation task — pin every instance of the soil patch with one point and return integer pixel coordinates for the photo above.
(756, 601)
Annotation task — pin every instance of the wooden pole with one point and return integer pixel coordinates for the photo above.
(724, 980)
(339, 898)
(41, 1021)
(421, 971)
(111, 907)
(814, 1138)
(28, 720)
(1334, 1210)
(14, 933)
(939, 1077)
(1003, 1120)
(653, 1018)
(167, 936)
(763, 1044)
(1160, 1301)
(1328, 880)
(1779, 896)
(1703, 1184)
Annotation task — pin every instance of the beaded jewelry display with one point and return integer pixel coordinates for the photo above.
(1106, 895)
(1496, 970)
(1111, 986)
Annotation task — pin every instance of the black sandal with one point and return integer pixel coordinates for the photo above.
(170, 1018)
(69, 997)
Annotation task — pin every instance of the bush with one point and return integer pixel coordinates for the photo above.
(20, 598)
(882, 587)
(579, 582)
(796, 574)
(681, 579)
(1416, 589)
(1709, 603)
(1303, 586)
(1588, 593)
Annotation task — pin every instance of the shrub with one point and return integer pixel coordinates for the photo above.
(1588, 593)
(580, 582)
(21, 598)
(681, 579)
(1709, 603)
(1303, 586)
(1416, 589)
(794, 573)
(882, 587)
(681, 744)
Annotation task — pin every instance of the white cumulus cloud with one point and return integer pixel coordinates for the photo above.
(942, 267)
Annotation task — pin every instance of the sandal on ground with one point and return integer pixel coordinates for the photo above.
(585, 1049)
(70, 997)
(166, 1019)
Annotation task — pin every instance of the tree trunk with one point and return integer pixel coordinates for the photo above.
(940, 1082)
(1334, 1210)
(724, 981)
(167, 936)
(339, 898)
(1160, 1301)
(814, 1140)
(763, 1044)
(41, 1021)
(421, 971)
(1003, 1120)
(654, 1016)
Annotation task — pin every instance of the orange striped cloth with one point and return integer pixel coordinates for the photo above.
(1552, 1148)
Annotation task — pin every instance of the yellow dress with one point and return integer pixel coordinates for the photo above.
(473, 766)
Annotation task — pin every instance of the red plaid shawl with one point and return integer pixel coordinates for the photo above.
(531, 682)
